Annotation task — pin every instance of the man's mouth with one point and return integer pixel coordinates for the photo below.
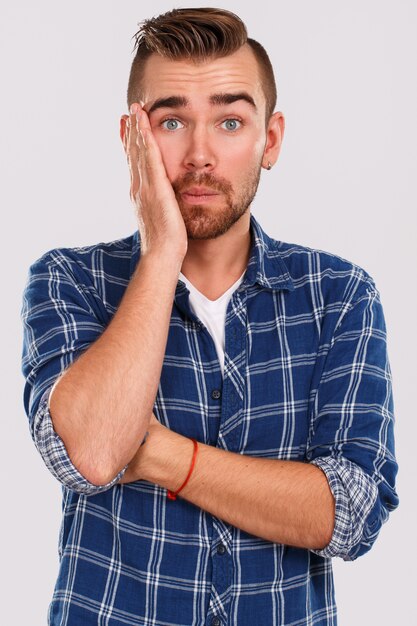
(198, 194)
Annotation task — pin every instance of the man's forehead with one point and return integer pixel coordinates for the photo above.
(235, 73)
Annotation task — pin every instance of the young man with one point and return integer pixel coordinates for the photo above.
(254, 371)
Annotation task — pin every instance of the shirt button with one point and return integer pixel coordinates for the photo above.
(215, 621)
(215, 394)
(221, 548)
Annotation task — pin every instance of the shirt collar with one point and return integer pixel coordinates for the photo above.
(265, 266)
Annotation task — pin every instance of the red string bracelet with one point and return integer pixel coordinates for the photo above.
(172, 495)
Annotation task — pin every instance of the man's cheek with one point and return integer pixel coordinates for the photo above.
(170, 158)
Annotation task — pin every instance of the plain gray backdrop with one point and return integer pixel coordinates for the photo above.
(346, 77)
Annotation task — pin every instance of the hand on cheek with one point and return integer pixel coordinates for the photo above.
(161, 226)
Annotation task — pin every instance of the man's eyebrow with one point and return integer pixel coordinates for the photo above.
(172, 102)
(230, 98)
(218, 99)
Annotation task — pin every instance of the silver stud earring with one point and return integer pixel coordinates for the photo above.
(269, 166)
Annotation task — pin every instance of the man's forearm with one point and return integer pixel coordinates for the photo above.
(102, 404)
(286, 502)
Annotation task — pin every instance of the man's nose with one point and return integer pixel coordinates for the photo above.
(199, 154)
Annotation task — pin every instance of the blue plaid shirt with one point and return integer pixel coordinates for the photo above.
(306, 378)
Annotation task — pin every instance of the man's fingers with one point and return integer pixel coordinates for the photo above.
(151, 152)
(124, 134)
(135, 144)
(135, 152)
(132, 131)
(146, 164)
(141, 162)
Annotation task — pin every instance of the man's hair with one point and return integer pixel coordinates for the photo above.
(197, 35)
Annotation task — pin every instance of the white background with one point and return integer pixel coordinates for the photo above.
(346, 76)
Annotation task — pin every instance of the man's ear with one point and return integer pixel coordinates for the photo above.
(123, 131)
(274, 136)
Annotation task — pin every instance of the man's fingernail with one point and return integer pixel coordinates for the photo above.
(133, 108)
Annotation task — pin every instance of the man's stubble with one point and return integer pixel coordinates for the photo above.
(204, 222)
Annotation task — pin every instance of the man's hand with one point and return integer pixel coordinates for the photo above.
(279, 500)
(161, 224)
(135, 468)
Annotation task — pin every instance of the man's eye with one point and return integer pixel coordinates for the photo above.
(231, 124)
(171, 124)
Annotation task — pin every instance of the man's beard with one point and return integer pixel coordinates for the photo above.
(204, 222)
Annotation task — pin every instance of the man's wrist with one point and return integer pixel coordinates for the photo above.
(167, 457)
(166, 259)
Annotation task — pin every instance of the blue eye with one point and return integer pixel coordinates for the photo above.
(232, 124)
(171, 124)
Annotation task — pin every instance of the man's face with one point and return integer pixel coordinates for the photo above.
(209, 122)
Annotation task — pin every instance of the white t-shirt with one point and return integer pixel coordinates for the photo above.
(212, 312)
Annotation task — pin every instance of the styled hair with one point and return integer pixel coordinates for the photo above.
(196, 35)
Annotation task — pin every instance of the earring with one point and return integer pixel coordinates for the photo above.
(269, 166)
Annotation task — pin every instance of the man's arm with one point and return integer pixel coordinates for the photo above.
(351, 445)
(101, 405)
(286, 502)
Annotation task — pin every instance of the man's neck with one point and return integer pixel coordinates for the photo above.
(213, 265)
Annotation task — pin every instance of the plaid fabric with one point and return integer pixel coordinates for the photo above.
(306, 377)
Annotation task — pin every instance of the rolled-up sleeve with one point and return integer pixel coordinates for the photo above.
(352, 434)
(54, 453)
(60, 321)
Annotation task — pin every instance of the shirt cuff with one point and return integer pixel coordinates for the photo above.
(355, 495)
(52, 449)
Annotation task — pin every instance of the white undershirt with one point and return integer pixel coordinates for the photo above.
(212, 312)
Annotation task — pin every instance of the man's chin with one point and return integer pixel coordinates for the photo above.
(203, 228)
(207, 222)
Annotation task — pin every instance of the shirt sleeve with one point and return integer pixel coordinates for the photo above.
(352, 434)
(60, 321)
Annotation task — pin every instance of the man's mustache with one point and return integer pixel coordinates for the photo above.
(204, 179)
